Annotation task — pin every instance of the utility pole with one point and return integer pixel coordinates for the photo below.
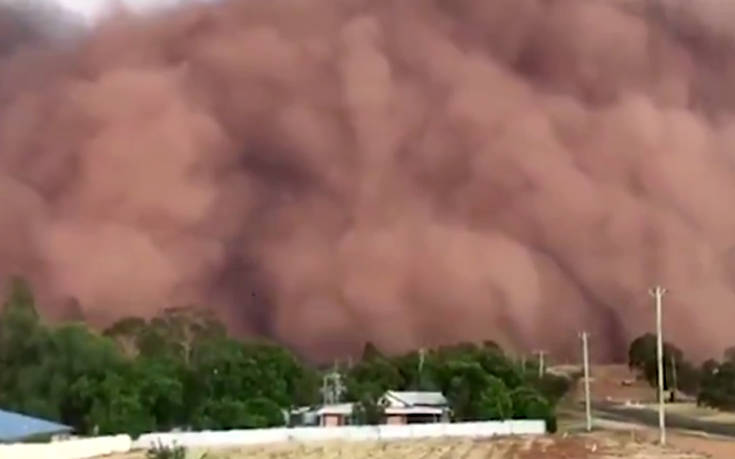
(586, 362)
(422, 357)
(674, 381)
(332, 387)
(658, 293)
(540, 363)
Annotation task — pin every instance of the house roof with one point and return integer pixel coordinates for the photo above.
(339, 409)
(410, 399)
(400, 410)
(15, 426)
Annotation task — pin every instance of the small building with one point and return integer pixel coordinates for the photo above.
(15, 427)
(325, 416)
(335, 415)
(302, 416)
(415, 407)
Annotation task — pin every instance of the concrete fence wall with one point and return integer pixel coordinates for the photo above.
(349, 433)
(101, 446)
(68, 449)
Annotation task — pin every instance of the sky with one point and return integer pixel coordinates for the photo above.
(90, 10)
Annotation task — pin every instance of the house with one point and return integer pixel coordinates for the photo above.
(335, 415)
(18, 427)
(414, 407)
(326, 416)
(397, 407)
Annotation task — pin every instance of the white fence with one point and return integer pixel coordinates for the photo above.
(68, 449)
(101, 446)
(233, 438)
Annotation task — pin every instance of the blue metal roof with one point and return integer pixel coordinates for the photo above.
(14, 426)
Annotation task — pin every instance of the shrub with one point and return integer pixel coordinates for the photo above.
(161, 451)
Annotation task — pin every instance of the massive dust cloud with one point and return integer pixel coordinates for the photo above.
(406, 172)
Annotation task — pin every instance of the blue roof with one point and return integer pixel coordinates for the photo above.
(14, 426)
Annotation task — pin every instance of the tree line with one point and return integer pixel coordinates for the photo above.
(712, 383)
(181, 370)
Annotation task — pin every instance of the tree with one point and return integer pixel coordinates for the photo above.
(729, 354)
(469, 389)
(367, 381)
(127, 333)
(368, 411)
(74, 356)
(370, 352)
(552, 387)
(20, 297)
(22, 339)
(263, 413)
(180, 369)
(529, 404)
(160, 388)
(371, 379)
(116, 406)
(642, 356)
(222, 414)
(495, 400)
(717, 388)
(415, 375)
(641, 351)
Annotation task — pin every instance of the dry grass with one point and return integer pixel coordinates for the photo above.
(605, 445)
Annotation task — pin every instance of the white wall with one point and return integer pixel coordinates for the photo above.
(100, 446)
(348, 433)
(68, 449)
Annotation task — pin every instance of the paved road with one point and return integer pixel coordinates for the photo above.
(617, 412)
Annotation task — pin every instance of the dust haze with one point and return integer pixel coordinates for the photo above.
(406, 172)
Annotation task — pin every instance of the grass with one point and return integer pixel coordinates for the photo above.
(596, 445)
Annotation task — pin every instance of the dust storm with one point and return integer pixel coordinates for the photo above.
(406, 172)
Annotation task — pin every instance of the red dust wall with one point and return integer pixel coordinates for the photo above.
(405, 172)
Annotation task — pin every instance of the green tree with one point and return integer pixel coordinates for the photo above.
(116, 406)
(529, 404)
(642, 356)
(495, 401)
(127, 333)
(160, 388)
(22, 341)
(264, 413)
(372, 378)
(717, 388)
(72, 357)
(368, 411)
(180, 369)
(729, 354)
(463, 382)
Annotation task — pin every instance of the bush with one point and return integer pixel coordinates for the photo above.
(368, 412)
(529, 404)
(161, 451)
(263, 412)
